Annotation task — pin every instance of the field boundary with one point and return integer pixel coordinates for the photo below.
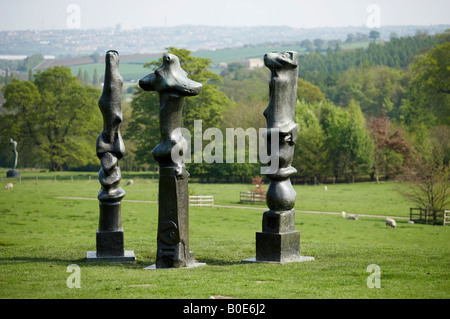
(242, 207)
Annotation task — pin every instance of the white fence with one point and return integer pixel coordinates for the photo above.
(446, 217)
(201, 200)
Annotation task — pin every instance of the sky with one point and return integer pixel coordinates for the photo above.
(87, 14)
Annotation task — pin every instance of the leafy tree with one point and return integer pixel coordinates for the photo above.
(319, 43)
(55, 119)
(95, 57)
(391, 149)
(430, 85)
(95, 81)
(374, 35)
(307, 45)
(208, 106)
(348, 142)
(310, 153)
(80, 76)
(309, 92)
(429, 177)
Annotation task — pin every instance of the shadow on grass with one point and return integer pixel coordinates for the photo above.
(138, 264)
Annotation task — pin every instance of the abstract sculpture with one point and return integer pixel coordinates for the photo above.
(13, 172)
(279, 242)
(110, 149)
(172, 84)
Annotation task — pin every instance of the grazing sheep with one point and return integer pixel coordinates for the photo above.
(9, 186)
(130, 182)
(354, 217)
(343, 214)
(410, 222)
(391, 222)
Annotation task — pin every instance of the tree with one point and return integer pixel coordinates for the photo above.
(55, 119)
(391, 150)
(86, 77)
(80, 76)
(309, 92)
(307, 45)
(30, 75)
(95, 81)
(374, 35)
(430, 86)
(7, 76)
(429, 178)
(348, 143)
(310, 153)
(208, 106)
(319, 43)
(95, 57)
(350, 38)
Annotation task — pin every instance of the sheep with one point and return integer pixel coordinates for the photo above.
(325, 188)
(354, 217)
(343, 214)
(391, 222)
(9, 186)
(130, 182)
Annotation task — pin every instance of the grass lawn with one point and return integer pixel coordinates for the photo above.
(41, 235)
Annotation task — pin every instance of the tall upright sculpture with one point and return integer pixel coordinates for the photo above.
(279, 241)
(13, 172)
(172, 84)
(110, 149)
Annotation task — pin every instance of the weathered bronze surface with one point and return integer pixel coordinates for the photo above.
(172, 84)
(110, 149)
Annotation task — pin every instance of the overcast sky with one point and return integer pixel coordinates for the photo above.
(54, 14)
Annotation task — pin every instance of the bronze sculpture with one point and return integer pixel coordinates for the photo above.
(110, 149)
(13, 172)
(172, 84)
(278, 241)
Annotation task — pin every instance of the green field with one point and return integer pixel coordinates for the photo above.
(133, 70)
(41, 235)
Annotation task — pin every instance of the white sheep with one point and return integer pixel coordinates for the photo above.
(354, 217)
(325, 188)
(130, 182)
(391, 222)
(9, 186)
(343, 214)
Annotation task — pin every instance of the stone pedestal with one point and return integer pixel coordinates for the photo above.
(279, 242)
(173, 224)
(110, 236)
(13, 173)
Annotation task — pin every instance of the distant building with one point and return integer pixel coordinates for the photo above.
(255, 63)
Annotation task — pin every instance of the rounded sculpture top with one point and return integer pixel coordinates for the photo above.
(281, 60)
(170, 78)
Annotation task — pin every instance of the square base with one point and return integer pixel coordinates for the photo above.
(192, 266)
(277, 247)
(300, 259)
(128, 256)
(13, 173)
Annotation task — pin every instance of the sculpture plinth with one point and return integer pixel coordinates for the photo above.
(279, 242)
(172, 84)
(110, 149)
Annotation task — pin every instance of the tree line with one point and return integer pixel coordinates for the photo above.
(361, 112)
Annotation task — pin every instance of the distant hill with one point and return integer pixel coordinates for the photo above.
(80, 42)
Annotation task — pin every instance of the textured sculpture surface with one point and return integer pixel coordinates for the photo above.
(110, 149)
(278, 241)
(13, 172)
(172, 84)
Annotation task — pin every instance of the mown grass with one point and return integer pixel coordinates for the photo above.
(40, 235)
